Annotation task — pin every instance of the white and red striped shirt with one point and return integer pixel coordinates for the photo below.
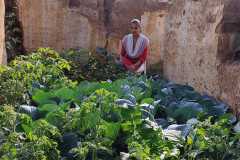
(130, 55)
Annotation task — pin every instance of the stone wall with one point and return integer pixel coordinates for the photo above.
(229, 54)
(191, 43)
(59, 24)
(82, 23)
(2, 37)
(154, 27)
(201, 39)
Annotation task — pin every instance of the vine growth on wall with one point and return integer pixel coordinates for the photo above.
(13, 31)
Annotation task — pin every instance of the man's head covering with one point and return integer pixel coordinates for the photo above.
(136, 21)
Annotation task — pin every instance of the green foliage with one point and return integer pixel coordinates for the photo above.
(44, 68)
(213, 140)
(13, 32)
(148, 143)
(38, 148)
(78, 59)
(182, 102)
(99, 120)
(89, 66)
(21, 138)
(8, 118)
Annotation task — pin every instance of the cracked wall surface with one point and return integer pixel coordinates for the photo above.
(200, 46)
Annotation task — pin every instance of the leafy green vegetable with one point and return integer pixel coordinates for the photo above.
(102, 120)
(44, 67)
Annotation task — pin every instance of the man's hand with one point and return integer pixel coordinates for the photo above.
(137, 65)
(134, 67)
(131, 68)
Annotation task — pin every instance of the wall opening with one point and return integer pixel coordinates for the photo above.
(74, 3)
(229, 33)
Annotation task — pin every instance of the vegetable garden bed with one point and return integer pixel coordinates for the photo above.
(46, 115)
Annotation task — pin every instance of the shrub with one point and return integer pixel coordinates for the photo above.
(41, 69)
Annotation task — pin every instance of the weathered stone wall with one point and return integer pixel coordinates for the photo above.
(199, 47)
(228, 54)
(154, 27)
(59, 24)
(191, 43)
(2, 37)
(81, 23)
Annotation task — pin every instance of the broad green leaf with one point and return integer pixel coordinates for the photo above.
(42, 97)
(111, 130)
(56, 118)
(65, 93)
(147, 100)
(48, 108)
(27, 129)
